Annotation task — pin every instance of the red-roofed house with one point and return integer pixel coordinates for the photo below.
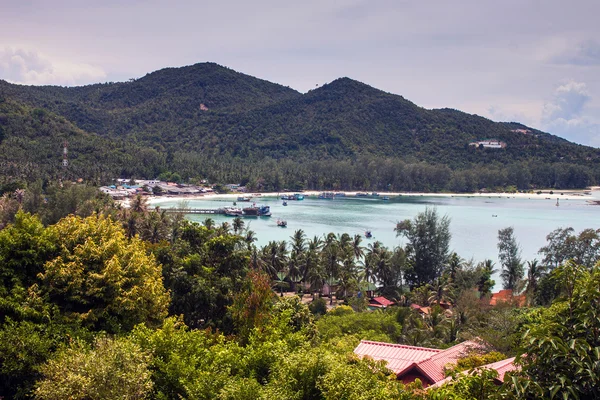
(380, 302)
(506, 296)
(502, 367)
(398, 356)
(410, 363)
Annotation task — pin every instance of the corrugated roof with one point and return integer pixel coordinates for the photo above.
(383, 301)
(399, 357)
(502, 367)
(433, 367)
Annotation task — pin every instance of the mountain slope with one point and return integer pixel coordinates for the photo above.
(207, 119)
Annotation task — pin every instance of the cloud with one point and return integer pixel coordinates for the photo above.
(566, 114)
(587, 53)
(32, 68)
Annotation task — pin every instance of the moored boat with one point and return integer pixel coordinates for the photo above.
(281, 223)
(264, 211)
(326, 195)
(284, 203)
(368, 234)
(298, 196)
(233, 211)
(251, 211)
(244, 198)
(385, 198)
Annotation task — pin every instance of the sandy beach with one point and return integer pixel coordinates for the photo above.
(544, 195)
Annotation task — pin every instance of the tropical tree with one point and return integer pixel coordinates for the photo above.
(485, 282)
(112, 369)
(428, 244)
(209, 223)
(297, 254)
(101, 278)
(560, 355)
(331, 259)
(509, 253)
(238, 225)
(535, 272)
(455, 264)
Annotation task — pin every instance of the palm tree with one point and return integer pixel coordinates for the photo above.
(249, 238)
(238, 225)
(209, 223)
(312, 271)
(297, 255)
(274, 256)
(455, 264)
(535, 272)
(485, 283)
(139, 204)
(440, 291)
(357, 249)
(371, 258)
(331, 258)
(223, 229)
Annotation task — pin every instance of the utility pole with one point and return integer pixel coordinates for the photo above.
(65, 161)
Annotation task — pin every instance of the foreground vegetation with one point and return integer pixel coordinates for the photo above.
(101, 302)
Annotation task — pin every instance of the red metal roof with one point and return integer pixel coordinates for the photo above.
(433, 367)
(399, 357)
(383, 301)
(502, 367)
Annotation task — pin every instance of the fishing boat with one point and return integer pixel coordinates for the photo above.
(368, 234)
(264, 211)
(326, 195)
(251, 211)
(244, 198)
(281, 223)
(233, 211)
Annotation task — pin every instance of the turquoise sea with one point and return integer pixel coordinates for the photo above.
(473, 225)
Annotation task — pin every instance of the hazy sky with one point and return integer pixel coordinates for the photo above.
(537, 62)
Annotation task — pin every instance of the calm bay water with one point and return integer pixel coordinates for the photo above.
(474, 228)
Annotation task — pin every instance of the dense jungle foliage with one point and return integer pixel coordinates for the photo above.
(209, 122)
(103, 302)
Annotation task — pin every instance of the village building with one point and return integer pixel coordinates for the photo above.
(410, 363)
(489, 144)
(506, 296)
(380, 302)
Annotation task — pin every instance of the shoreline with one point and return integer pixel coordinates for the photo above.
(545, 195)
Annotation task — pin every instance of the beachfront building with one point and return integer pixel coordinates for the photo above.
(410, 363)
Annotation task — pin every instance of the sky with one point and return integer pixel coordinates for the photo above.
(531, 61)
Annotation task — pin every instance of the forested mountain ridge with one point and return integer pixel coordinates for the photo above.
(206, 120)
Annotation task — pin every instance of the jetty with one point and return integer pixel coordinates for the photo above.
(194, 210)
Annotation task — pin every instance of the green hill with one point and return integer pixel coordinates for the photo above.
(206, 120)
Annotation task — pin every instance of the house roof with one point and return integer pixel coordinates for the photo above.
(433, 367)
(399, 357)
(383, 301)
(506, 295)
(502, 367)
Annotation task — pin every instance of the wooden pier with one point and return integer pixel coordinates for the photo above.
(194, 210)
